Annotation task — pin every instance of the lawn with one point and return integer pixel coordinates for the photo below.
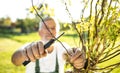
(7, 47)
(10, 43)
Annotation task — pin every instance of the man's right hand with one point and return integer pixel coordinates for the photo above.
(31, 52)
(34, 51)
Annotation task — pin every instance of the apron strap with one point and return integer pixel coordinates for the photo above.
(37, 66)
(57, 64)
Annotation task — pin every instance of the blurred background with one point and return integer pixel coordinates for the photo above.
(19, 25)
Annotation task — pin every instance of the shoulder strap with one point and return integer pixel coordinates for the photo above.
(57, 64)
(37, 68)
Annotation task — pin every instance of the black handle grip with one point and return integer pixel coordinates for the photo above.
(45, 46)
(49, 43)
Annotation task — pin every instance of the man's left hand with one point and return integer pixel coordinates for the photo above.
(77, 58)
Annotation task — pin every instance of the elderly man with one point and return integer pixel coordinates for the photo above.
(50, 60)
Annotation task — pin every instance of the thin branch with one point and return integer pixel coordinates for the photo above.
(110, 58)
(86, 3)
(110, 54)
(111, 69)
(74, 25)
(91, 8)
(106, 53)
(116, 64)
(41, 19)
(111, 47)
(102, 9)
(90, 24)
(95, 22)
(108, 12)
(100, 54)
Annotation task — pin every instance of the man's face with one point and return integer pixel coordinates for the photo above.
(44, 33)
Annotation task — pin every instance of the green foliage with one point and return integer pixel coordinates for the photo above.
(20, 26)
(98, 34)
(64, 26)
(42, 9)
(27, 25)
(7, 21)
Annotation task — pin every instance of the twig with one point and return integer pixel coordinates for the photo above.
(74, 25)
(106, 66)
(109, 58)
(110, 55)
(95, 22)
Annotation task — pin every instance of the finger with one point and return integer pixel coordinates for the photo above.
(65, 56)
(35, 50)
(45, 53)
(30, 53)
(25, 54)
(79, 60)
(50, 49)
(41, 48)
(75, 56)
(70, 52)
(74, 50)
(79, 65)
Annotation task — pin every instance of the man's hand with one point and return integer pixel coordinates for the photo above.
(31, 52)
(77, 58)
(34, 51)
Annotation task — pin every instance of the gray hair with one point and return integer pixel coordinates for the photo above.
(50, 18)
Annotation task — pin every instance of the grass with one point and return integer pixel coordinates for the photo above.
(10, 43)
(7, 47)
